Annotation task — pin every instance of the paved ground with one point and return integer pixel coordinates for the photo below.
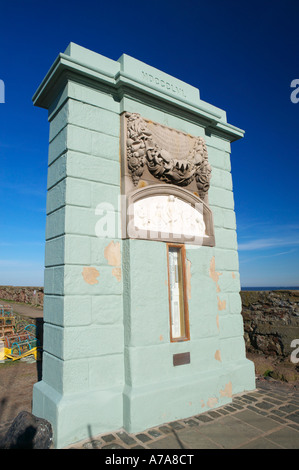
(267, 418)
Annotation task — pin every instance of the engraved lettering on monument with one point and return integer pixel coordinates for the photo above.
(148, 77)
(170, 156)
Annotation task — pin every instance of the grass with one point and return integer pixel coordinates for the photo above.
(268, 373)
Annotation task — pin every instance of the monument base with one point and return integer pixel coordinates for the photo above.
(78, 416)
(150, 406)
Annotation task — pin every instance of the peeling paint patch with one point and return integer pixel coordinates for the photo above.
(214, 274)
(221, 304)
(233, 276)
(227, 391)
(218, 355)
(217, 321)
(116, 272)
(112, 254)
(90, 274)
(212, 402)
(202, 404)
(161, 338)
(188, 278)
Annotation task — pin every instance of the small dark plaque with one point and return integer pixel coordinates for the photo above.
(180, 359)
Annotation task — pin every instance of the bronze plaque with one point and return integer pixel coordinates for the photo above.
(180, 359)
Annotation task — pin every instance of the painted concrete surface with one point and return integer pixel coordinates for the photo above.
(266, 418)
(107, 349)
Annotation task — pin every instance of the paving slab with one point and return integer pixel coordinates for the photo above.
(256, 421)
(285, 437)
(194, 439)
(229, 433)
(261, 443)
(293, 417)
(171, 441)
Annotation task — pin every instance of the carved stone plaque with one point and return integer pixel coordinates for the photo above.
(165, 180)
(169, 156)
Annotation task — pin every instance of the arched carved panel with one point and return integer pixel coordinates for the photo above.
(169, 213)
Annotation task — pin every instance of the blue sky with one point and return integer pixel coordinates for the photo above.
(242, 56)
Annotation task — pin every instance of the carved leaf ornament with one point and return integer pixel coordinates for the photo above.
(168, 165)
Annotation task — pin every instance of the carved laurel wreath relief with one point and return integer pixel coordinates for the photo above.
(170, 156)
(155, 154)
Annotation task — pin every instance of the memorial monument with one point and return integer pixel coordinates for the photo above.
(142, 308)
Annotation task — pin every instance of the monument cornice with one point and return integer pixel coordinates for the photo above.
(122, 84)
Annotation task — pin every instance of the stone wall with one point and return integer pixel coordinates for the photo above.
(27, 295)
(271, 321)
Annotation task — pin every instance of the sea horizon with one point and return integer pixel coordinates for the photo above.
(243, 288)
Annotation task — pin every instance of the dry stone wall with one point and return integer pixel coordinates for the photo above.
(27, 295)
(271, 321)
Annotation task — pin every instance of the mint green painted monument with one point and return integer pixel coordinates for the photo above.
(142, 309)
